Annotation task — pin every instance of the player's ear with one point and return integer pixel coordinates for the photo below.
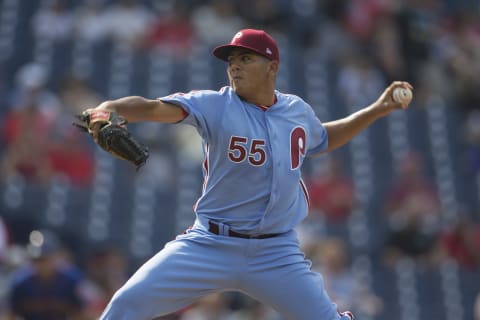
(273, 67)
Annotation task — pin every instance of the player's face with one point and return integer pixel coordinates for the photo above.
(249, 73)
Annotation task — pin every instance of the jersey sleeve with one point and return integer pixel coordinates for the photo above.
(317, 133)
(201, 108)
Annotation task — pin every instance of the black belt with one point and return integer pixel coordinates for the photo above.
(214, 228)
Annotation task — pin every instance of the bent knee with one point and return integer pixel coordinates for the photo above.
(126, 304)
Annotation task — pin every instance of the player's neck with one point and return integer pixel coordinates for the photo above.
(261, 99)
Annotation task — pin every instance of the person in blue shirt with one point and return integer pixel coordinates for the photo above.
(255, 139)
(46, 289)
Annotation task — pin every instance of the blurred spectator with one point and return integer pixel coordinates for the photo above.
(359, 79)
(332, 39)
(303, 19)
(70, 149)
(464, 61)
(252, 309)
(106, 271)
(210, 307)
(53, 21)
(14, 258)
(127, 21)
(70, 156)
(412, 239)
(418, 24)
(173, 32)
(413, 211)
(472, 141)
(361, 16)
(89, 22)
(30, 88)
(214, 13)
(332, 195)
(27, 145)
(265, 14)
(332, 200)
(387, 48)
(28, 125)
(461, 242)
(412, 193)
(39, 138)
(331, 259)
(228, 306)
(76, 95)
(47, 288)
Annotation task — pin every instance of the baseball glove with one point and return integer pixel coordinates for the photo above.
(110, 133)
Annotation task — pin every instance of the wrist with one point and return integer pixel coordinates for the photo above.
(106, 105)
(383, 108)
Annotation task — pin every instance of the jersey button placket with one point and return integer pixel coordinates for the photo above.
(274, 154)
(269, 137)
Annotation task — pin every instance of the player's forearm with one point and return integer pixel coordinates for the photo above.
(139, 109)
(343, 130)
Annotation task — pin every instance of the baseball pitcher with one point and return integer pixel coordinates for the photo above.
(255, 140)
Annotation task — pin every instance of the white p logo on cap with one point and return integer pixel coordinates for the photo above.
(269, 52)
(237, 35)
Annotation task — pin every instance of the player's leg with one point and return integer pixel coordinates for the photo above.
(279, 276)
(183, 271)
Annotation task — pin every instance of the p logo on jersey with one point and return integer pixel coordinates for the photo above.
(298, 140)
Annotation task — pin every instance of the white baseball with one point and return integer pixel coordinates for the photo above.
(402, 95)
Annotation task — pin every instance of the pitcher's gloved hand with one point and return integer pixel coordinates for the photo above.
(109, 131)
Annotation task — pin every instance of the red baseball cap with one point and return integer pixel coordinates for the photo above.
(256, 40)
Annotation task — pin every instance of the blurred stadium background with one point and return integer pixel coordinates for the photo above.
(395, 221)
